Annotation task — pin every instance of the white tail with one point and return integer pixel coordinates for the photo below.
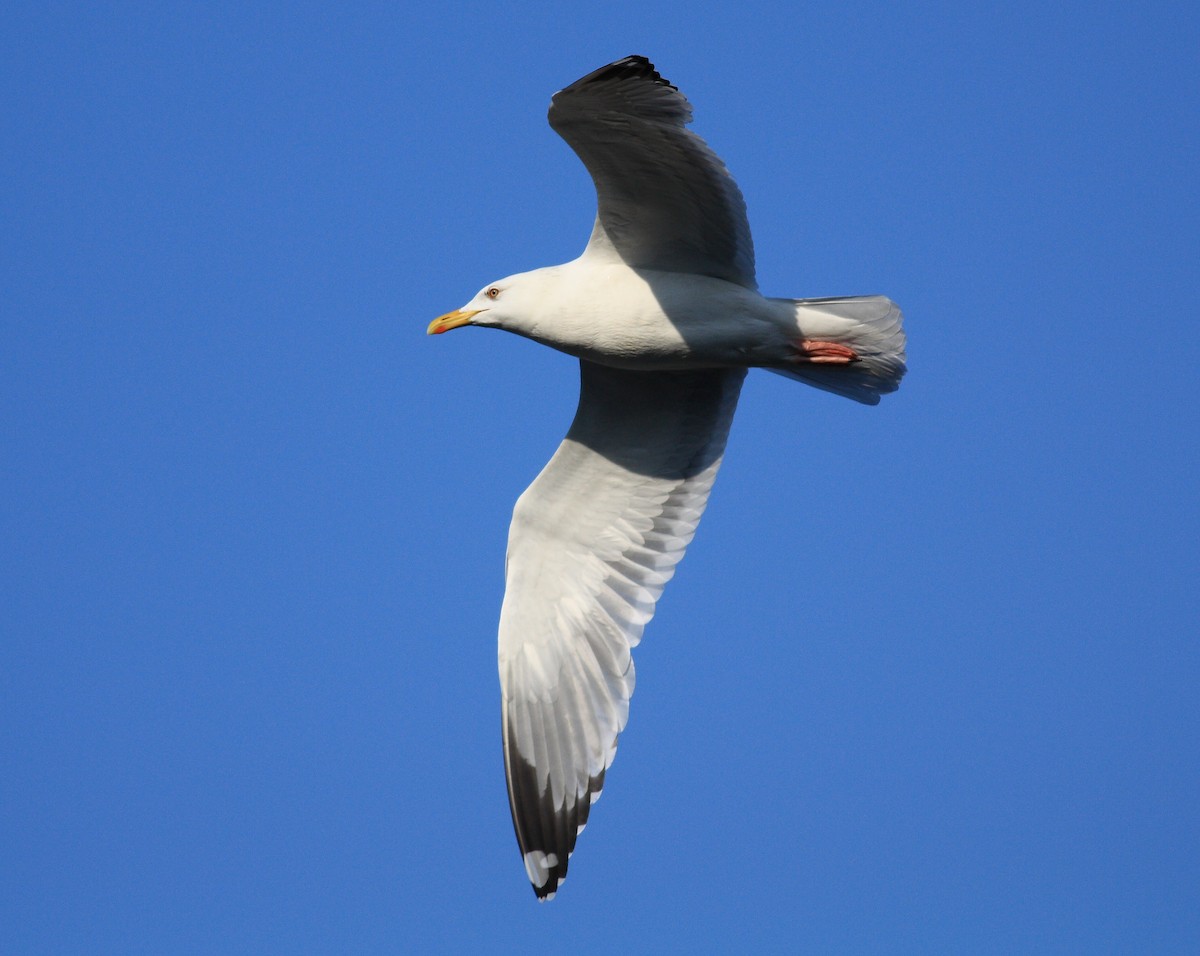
(872, 325)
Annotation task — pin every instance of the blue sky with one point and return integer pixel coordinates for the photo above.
(926, 681)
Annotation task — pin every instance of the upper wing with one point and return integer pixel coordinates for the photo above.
(593, 541)
(666, 201)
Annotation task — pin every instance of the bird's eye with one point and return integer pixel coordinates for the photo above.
(492, 292)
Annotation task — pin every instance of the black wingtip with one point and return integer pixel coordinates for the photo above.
(632, 67)
(546, 833)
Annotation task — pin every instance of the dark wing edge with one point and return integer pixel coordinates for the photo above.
(546, 833)
(671, 107)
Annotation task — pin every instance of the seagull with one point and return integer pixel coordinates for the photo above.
(663, 312)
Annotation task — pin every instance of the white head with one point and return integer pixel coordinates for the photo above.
(510, 303)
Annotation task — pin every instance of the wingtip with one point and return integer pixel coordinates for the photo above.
(635, 65)
(632, 67)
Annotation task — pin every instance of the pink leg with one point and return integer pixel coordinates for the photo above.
(823, 353)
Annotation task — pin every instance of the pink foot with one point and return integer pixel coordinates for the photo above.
(823, 353)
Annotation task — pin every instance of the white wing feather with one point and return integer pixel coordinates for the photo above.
(593, 541)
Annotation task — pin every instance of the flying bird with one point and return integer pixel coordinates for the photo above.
(663, 312)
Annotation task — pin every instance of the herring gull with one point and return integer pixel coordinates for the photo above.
(663, 313)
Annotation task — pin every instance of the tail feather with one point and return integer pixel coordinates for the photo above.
(872, 325)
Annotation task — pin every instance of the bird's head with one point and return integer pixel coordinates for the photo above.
(496, 305)
(516, 303)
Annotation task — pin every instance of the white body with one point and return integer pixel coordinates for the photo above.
(606, 312)
(668, 320)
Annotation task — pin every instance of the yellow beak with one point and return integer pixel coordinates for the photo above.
(451, 320)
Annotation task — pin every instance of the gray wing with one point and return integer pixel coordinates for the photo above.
(666, 201)
(593, 541)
